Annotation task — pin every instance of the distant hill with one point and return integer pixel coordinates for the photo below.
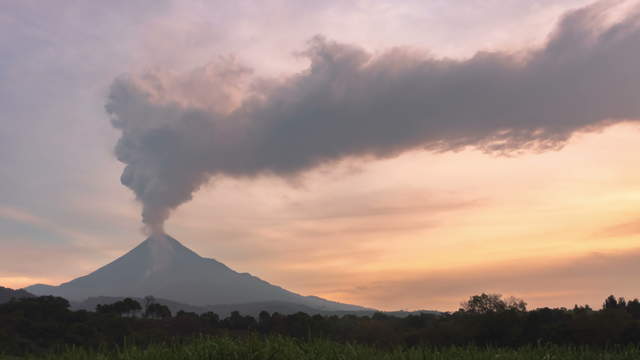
(161, 266)
(7, 294)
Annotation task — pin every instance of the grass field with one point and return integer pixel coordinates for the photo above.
(281, 348)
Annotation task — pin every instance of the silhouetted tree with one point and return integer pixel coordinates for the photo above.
(492, 303)
(187, 314)
(379, 316)
(238, 322)
(130, 307)
(105, 309)
(585, 309)
(148, 300)
(211, 318)
(127, 307)
(516, 304)
(157, 311)
(264, 321)
(612, 303)
(633, 307)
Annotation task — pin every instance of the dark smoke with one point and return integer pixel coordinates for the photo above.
(177, 133)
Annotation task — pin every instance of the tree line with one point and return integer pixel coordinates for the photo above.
(45, 323)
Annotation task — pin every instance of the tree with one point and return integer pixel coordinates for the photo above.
(154, 310)
(236, 321)
(212, 318)
(516, 304)
(585, 309)
(264, 321)
(633, 308)
(157, 311)
(105, 309)
(187, 315)
(148, 300)
(612, 303)
(127, 306)
(490, 303)
(130, 307)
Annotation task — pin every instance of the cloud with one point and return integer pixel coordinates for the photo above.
(619, 230)
(350, 103)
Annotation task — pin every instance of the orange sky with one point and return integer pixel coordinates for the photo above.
(388, 233)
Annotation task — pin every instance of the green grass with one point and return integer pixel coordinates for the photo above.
(282, 348)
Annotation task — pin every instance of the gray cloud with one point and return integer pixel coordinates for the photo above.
(350, 103)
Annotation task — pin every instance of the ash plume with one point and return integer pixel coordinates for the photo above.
(180, 131)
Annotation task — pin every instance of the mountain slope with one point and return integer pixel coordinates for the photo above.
(161, 266)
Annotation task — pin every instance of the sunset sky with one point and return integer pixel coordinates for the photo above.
(392, 224)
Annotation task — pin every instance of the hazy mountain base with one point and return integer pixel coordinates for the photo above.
(252, 309)
(161, 266)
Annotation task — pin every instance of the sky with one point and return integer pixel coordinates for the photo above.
(391, 154)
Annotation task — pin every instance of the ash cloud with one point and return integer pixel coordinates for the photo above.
(180, 131)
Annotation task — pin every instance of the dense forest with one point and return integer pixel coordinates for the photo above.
(44, 324)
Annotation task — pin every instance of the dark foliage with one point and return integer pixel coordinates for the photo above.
(46, 323)
(157, 311)
(127, 306)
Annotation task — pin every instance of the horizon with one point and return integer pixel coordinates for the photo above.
(158, 236)
(467, 148)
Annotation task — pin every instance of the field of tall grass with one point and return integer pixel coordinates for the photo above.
(282, 348)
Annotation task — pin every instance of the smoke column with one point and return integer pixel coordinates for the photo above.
(180, 131)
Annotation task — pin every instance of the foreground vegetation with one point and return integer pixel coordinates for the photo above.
(283, 348)
(485, 327)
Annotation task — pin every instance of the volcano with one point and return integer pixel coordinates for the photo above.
(162, 267)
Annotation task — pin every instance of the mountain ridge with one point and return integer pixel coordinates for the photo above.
(162, 267)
